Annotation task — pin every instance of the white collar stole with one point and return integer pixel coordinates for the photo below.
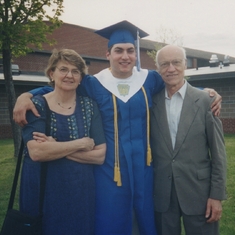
(123, 89)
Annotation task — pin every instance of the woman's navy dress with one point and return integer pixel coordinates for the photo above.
(69, 204)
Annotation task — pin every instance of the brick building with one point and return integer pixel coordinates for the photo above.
(222, 79)
(92, 48)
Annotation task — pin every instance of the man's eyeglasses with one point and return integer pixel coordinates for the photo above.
(64, 71)
(166, 64)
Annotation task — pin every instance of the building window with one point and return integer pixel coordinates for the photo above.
(88, 62)
(189, 63)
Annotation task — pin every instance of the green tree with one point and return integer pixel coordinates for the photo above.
(165, 36)
(24, 25)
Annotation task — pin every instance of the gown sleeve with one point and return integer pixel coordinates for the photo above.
(81, 90)
(35, 123)
(41, 90)
(96, 131)
(159, 84)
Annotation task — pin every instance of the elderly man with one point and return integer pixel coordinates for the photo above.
(188, 152)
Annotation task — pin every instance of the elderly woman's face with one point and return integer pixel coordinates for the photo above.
(66, 76)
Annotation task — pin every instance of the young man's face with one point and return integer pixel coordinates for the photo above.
(122, 58)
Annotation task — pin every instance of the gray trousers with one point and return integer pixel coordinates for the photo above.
(169, 222)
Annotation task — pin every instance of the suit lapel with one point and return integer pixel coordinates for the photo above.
(188, 113)
(161, 119)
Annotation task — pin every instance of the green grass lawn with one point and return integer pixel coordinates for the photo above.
(7, 168)
(8, 162)
(227, 226)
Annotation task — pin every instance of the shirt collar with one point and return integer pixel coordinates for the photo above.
(181, 91)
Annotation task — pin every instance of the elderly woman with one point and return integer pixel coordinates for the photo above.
(76, 142)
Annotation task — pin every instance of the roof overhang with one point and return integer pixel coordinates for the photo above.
(208, 73)
(27, 80)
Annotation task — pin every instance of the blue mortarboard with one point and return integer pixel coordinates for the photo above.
(123, 32)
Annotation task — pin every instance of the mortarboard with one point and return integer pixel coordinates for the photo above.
(123, 32)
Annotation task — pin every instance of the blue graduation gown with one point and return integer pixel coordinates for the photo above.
(114, 204)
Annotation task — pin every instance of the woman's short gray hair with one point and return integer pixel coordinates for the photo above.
(68, 55)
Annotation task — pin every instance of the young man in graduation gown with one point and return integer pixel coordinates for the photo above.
(123, 93)
(124, 183)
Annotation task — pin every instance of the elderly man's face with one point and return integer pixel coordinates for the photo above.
(171, 66)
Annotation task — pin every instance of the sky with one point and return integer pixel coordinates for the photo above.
(207, 25)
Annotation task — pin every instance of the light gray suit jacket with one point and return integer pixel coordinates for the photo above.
(197, 163)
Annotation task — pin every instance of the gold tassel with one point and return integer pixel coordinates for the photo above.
(115, 173)
(149, 156)
(119, 181)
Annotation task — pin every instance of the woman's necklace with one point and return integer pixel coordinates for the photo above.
(66, 107)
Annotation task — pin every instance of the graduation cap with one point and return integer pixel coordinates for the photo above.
(123, 32)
